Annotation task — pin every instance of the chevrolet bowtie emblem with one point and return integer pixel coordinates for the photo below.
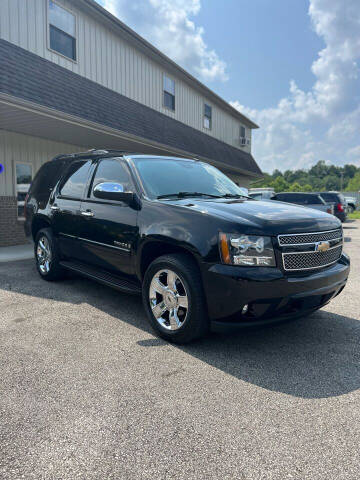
(322, 246)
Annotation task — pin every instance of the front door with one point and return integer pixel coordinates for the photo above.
(65, 208)
(108, 229)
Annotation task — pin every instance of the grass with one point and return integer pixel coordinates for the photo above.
(355, 215)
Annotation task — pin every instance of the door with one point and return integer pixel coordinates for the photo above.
(108, 229)
(65, 208)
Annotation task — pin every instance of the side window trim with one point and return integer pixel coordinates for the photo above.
(61, 182)
(90, 185)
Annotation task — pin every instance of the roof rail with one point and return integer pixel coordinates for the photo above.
(90, 153)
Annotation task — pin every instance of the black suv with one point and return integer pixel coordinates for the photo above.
(337, 199)
(185, 236)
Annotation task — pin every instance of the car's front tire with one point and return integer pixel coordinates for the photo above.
(47, 256)
(174, 300)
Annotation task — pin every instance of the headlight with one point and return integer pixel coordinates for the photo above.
(246, 250)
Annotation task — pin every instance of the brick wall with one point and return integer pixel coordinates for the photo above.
(11, 229)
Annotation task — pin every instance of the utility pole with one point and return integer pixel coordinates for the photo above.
(341, 181)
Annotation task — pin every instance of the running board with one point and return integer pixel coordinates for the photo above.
(100, 276)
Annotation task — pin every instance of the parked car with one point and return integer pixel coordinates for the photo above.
(182, 234)
(352, 204)
(310, 200)
(338, 201)
(261, 193)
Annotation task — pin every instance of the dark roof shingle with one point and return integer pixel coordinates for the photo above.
(33, 78)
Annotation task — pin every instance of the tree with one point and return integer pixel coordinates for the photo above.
(331, 182)
(307, 188)
(295, 187)
(354, 183)
(280, 185)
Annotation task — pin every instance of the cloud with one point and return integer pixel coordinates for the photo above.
(173, 31)
(323, 123)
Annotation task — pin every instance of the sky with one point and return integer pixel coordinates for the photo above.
(292, 66)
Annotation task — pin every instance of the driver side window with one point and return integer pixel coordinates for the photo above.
(112, 170)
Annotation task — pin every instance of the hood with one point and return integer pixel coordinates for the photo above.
(262, 217)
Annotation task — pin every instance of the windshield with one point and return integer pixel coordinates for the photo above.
(167, 176)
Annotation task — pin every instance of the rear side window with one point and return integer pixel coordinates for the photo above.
(46, 178)
(73, 185)
(112, 170)
(314, 200)
(284, 197)
(330, 197)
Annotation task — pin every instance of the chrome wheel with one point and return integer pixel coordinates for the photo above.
(43, 254)
(168, 299)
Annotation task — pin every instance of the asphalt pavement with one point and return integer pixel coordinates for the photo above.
(88, 392)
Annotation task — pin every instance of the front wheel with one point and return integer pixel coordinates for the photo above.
(174, 300)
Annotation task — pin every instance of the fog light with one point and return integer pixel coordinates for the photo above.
(244, 309)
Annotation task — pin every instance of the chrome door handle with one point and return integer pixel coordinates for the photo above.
(55, 208)
(88, 213)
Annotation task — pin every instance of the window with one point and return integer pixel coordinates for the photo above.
(169, 93)
(207, 116)
(73, 185)
(62, 30)
(163, 176)
(113, 170)
(242, 135)
(23, 179)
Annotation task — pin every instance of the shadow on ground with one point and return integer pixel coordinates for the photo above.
(316, 357)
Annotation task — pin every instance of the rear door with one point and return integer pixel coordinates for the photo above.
(65, 206)
(108, 229)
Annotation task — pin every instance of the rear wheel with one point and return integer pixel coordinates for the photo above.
(47, 256)
(173, 298)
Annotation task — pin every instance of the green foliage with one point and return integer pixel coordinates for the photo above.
(319, 177)
(354, 183)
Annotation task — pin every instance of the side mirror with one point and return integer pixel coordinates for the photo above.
(113, 191)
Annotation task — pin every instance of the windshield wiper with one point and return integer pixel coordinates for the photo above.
(188, 194)
(233, 195)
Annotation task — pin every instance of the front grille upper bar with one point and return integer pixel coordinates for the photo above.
(308, 234)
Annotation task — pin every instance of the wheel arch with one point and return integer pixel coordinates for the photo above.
(155, 248)
(38, 223)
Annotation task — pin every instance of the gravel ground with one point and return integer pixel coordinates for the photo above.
(88, 392)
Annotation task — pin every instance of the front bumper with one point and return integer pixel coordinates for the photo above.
(270, 294)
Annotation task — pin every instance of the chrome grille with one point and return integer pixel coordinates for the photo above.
(311, 260)
(308, 238)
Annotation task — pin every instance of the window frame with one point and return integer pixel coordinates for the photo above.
(62, 180)
(206, 117)
(90, 184)
(165, 75)
(18, 162)
(48, 31)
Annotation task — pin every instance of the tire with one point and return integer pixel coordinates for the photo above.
(51, 270)
(190, 322)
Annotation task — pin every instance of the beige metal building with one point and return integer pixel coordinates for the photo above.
(73, 77)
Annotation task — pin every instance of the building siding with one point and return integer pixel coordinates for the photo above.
(106, 58)
(15, 147)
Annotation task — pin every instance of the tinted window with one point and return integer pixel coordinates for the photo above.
(314, 200)
(73, 185)
(46, 178)
(169, 176)
(329, 197)
(112, 170)
(284, 197)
